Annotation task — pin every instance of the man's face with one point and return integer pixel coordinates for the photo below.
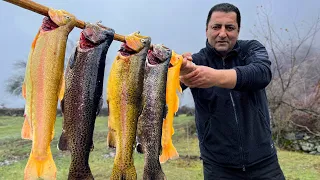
(222, 31)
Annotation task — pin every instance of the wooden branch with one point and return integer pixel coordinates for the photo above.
(43, 10)
(305, 127)
(305, 110)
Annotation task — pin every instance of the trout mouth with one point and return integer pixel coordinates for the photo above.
(158, 54)
(152, 58)
(94, 35)
(85, 43)
(126, 50)
(48, 24)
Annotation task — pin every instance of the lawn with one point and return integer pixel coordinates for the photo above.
(14, 153)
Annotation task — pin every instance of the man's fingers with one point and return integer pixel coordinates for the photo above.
(195, 77)
(187, 67)
(184, 62)
(191, 74)
(187, 56)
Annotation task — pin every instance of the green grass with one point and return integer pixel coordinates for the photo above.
(188, 166)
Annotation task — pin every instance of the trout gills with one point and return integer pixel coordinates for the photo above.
(154, 111)
(42, 86)
(124, 91)
(172, 100)
(83, 97)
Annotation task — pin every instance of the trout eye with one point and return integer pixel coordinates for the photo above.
(143, 40)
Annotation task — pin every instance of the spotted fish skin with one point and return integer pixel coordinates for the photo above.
(42, 87)
(83, 97)
(172, 100)
(154, 111)
(124, 92)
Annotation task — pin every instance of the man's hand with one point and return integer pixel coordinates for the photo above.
(196, 76)
(200, 77)
(187, 65)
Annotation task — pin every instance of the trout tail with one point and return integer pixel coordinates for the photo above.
(127, 174)
(111, 139)
(76, 173)
(40, 167)
(26, 132)
(159, 176)
(153, 173)
(168, 152)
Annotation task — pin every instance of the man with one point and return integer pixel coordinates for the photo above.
(227, 79)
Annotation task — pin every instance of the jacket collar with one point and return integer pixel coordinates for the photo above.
(235, 49)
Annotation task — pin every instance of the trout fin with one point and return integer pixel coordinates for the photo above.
(26, 132)
(168, 152)
(92, 146)
(62, 88)
(128, 173)
(62, 106)
(111, 138)
(34, 42)
(159, 176)
(172, 131)
(63, 142)
(179, 88)
(44, 168)
(108, 108)
(165, 112)
(85, 175)
(72, 59)
(99, 106)
(24, 93)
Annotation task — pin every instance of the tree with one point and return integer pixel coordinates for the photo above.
(294, 89)
(14, 83)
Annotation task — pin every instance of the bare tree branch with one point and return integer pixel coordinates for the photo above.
(306, 128)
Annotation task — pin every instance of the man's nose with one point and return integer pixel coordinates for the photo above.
(223, 33)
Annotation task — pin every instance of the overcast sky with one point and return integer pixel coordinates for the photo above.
(178, 24)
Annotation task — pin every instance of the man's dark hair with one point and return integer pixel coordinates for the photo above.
(224, 7)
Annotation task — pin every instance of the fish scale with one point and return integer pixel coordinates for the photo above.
(124, 91)
(154, 111)
(43, 85)
(82, 100)
(172, 100)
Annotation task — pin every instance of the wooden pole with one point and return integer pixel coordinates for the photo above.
(43, 10)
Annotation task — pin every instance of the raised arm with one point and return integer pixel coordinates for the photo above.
(257, 73)
(253, 76)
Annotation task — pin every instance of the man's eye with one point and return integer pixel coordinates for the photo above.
(230, 28)
(215, 27)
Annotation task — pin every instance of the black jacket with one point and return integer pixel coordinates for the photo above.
(233, 125)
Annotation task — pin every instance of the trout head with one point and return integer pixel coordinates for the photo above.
(48, 24)
(61, 17)
(94, 35)
(176, 60)
(134, 43)
(158, 54)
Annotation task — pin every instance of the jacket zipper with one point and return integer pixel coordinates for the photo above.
(237, 122)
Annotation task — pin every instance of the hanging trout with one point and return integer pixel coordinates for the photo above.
(42, 84)
(172, 100)
(154, 111)
(83, 97)
(124, 91)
